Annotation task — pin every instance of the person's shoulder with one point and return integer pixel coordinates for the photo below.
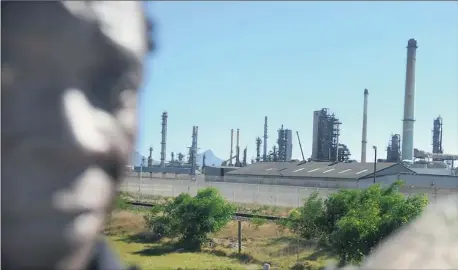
(105, 259)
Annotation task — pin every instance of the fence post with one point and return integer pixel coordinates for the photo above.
(297, 197)
(239, 237)
(276, 194)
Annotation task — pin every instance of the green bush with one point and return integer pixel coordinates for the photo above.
(353, 222)
(191, 219)
(120, 203)
(307, 220)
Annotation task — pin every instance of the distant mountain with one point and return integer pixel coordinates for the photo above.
(210, 159)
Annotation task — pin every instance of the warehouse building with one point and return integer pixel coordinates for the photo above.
(442, 178)
(336, 175)
(217, 171)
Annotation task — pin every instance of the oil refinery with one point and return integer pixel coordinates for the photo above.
(327, 150)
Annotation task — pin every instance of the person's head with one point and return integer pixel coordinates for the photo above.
(70, 73)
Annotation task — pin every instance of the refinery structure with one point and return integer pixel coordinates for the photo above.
(179, 163)
(330, 157)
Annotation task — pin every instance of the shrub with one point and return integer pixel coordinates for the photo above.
(353, 222)
(191, 219)
(206, 213)
(120, 203)
(307, 220)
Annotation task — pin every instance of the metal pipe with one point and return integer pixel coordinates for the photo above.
(300, 145)
(409, 102)
(364, 135)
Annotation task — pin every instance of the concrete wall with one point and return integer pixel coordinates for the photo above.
(148, 175)
(285, 181)
(394, 170)
(413, 181)
(242, 192)
(420, 181)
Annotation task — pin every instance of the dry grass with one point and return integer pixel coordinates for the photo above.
(260, 243)
(269, 243)
(125, 222)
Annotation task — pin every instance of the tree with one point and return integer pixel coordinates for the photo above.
(353, 222)
(191, 219)
(307, 220)
(208, 212)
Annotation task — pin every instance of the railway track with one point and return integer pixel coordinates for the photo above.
(237, 216)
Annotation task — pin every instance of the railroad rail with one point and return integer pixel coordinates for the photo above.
(237, 215)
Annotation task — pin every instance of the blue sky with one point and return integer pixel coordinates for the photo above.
(223, 65)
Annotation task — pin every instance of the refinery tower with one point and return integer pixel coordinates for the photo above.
(409, 102)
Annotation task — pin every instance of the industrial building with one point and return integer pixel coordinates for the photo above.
(339, 175)
(393, 151)
(437, 136)
(174, 166)
(285, 144)
(326, 134)
(329, 163)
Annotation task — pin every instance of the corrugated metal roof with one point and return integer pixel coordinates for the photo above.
(433, 171)
(264, 168)
(312, 169)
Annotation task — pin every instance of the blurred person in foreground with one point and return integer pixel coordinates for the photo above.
(70, 74)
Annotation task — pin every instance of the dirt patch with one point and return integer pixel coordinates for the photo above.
(125, 222)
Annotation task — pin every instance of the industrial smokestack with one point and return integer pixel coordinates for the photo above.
(237, 150)
(409, 102)
(232, 148)
(264, 154)
(364, 136)
(193, 150)
(164, 138)
(244, 162)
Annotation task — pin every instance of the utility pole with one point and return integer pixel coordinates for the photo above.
(375, 161)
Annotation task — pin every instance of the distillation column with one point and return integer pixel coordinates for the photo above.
(232, 148)
(264, 154)
(164, 138)
(194, 150)
(409, 102)
(237, 150)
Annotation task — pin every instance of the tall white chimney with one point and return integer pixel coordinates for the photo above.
(232, 147)
(409, 102)
(364, 135)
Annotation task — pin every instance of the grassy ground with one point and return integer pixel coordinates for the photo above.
(261, 242)
(251, 208)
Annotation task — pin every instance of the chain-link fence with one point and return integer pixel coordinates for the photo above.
(238, 193)
(169, 185)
